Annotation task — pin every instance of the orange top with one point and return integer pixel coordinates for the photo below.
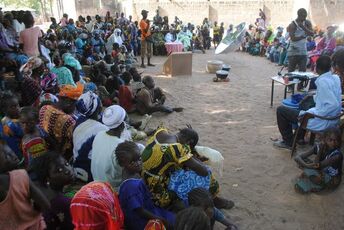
(16, 210)
(144, 26)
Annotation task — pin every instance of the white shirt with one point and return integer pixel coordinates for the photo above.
(104, 166)
(169, 37)
(327, 102)
(17, 26)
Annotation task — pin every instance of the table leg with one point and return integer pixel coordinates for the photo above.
(285, 91)
(272, 92)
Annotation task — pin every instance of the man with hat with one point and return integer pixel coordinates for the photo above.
(146, 44)
(104, 166)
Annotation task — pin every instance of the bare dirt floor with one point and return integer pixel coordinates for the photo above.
(235, 118)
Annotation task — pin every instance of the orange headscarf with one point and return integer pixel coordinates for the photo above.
(72, 92)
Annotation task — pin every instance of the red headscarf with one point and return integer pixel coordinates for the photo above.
(96, 207)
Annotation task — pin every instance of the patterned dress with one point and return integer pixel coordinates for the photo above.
(57, 124)
(161, 162)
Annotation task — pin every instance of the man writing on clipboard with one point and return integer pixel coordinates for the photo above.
(146, 39)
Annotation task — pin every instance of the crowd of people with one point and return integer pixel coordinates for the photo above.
(303, 47)
(69, 152)
(296, 47)
(69, 156)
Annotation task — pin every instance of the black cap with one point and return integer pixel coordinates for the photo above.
(144, 11)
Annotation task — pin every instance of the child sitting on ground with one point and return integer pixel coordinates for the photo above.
(33, 143)
(192, 218)
(325, 172)
(126, 97)
(200, 197)
(54, 173)
(12, 132)
(16, 193)
(134, 195)
(137, 84)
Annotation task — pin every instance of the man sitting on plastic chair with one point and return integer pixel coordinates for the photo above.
(327, 104)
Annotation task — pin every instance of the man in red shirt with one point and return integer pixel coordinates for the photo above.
(146, 44)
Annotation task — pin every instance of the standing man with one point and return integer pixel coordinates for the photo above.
(299, 30)
(146, 46)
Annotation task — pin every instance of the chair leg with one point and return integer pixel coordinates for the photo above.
(293, 147)
(312, 139)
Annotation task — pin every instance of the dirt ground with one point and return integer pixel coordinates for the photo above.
(236, 119)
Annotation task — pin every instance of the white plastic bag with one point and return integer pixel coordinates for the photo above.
(215, 157)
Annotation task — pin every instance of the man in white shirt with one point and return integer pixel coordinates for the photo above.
(327, 104)
(169, 37)
(104, 166)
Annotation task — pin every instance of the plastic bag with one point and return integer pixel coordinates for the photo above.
(215, 157)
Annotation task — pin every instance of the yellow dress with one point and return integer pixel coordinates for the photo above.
(159, 162)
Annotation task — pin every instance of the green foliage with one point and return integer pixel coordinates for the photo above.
(34, 4)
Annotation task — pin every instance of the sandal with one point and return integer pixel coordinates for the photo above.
(221, 203)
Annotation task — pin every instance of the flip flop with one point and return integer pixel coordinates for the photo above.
(224, 204)
(178, 110)
(273, 139)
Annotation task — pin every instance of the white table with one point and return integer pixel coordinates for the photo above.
(279, 79)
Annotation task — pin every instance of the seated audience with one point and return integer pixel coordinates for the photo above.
(96, 206)
(21, 201)
(327, 103)
(325, 172)
(134, 196)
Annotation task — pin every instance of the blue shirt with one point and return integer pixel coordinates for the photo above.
(327, 100)
(134, 194)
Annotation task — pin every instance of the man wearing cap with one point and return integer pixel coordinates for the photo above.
(146, 46)
(104, 166)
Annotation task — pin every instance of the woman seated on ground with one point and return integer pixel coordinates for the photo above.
(21, 202)
(57, 120)
(165, 157)
(325, 172)
(64, 75)
(53, 174)
(30, 87)
(126, 97)
(134, 195)
(96, 206)
(86, 128)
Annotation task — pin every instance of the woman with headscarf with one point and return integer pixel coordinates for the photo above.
(86, 128)
(30, 87)
(171, 170)
(64, 75)
(48, 82)
(104, 166)
(184, 37)
(114, 38)
(57, 120)
(96, 207)
(80, 43)
(325, 46)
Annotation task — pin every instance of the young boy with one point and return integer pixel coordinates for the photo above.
(33, 143)
(126, 98)
(12, 132)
